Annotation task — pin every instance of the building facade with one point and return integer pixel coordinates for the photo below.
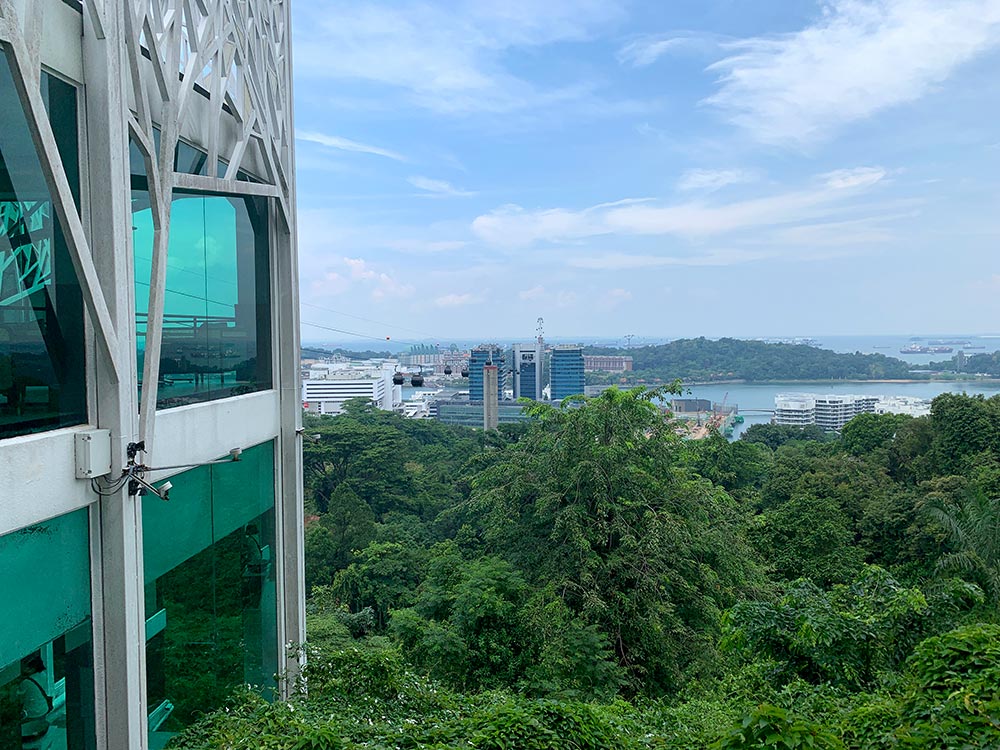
(468, 414)
(328, 395)
(831, 412)
(567, 378)
(526, 367)
(606, 363)
(148, 318)
(478, 359)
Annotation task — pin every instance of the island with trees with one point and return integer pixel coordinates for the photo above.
(707, 360)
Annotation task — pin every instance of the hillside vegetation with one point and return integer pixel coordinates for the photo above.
(704, 359)
(591, 581)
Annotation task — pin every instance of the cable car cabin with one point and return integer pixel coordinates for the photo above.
(447, 369)
(465, 372)
(417, 380)
(398, 378)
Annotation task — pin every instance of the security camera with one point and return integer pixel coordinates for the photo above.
(164, 490)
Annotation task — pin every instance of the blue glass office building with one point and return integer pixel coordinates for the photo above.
(526, 367)
(567, 372)
(478, 358)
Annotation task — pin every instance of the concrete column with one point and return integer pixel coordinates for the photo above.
(491, 407)
(117, 558)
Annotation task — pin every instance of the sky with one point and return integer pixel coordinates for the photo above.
(691, 167)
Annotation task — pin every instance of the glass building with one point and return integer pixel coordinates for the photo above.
(148, 318)
(527, 371)
(567, 377)
(478, 358)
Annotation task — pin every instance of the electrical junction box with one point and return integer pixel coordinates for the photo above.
(93, 453)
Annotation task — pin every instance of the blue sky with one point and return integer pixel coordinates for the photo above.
(715, 167)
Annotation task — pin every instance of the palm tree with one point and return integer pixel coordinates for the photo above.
(973, 527)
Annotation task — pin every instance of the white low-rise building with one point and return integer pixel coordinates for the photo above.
(330, 384)
(829, 411)
(832, 412)
(914, 407)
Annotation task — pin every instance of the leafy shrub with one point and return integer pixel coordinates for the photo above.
(955, 695)
(770, 726)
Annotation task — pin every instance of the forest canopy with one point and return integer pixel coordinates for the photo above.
(591, 580)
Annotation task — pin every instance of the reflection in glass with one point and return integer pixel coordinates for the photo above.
(46, 649)
(42, 379)
(217, 310)
(211, 598)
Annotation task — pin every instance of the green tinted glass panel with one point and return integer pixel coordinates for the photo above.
(175, 531)
(217, 305)
(46, 649)
(211, 597)
(242, 490)
(42, 365)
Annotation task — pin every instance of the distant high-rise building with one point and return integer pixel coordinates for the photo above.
(527, 370)
(491, 400)
(567, 371)
(478, 358)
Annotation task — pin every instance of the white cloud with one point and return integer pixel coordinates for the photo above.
(566, 298)
(841, 179)
(438, 187)
(713, 179)
(859, 58)
(383, 284)
(514, 226)
(454, 300)
(631, 262)
(615, 297)
(646, 50)
(536, 292)
(425, 246)
(344, 144)
(447, 57)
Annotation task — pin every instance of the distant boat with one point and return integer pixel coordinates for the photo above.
(973, 346)
(882, 346)
(948, 342)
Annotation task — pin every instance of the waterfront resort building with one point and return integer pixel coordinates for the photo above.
(567, 378)
(527, 371)
(831, 412)
(149, 340)
(478, 359)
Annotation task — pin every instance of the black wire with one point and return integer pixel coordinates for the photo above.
(366, 320)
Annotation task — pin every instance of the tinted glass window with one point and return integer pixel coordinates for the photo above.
(217, 311)
(46, 648)
(42, 377)
(211, 604)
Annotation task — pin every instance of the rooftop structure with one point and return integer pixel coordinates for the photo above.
(111, 315)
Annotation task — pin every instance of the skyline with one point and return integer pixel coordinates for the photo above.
(618, 167)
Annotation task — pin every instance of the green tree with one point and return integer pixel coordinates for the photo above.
(973, 527)
(596, 501)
